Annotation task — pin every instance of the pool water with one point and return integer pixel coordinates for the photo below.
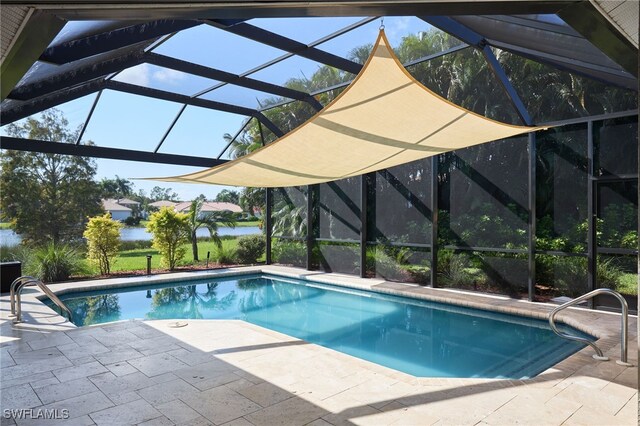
(417, 337)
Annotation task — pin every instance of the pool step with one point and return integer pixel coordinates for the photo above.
(527, 364)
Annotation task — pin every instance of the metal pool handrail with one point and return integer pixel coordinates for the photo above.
(21, 283)
(26, 279)
(624, 326)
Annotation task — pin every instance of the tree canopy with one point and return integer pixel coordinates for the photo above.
(48, 197)
(228, 196)
(158, 194)
(116, 188)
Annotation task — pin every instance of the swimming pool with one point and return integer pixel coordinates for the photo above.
(421, 338)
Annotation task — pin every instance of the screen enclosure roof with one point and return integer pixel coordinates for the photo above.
(53, 54)
(382, 119)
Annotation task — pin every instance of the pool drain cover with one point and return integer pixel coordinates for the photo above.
(178, 324)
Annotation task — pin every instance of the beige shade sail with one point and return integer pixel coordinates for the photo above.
(383, 119)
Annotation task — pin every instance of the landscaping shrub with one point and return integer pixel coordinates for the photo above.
(628, 284)
(170, 231)
(459, 271)
(53, 262)
(250, 248)
(132, 221)
(569, 275)
(384, 265)
(224, 255)
(419, 274)
(9, 253)
(103, 241)
(397, 264)
(289, 252)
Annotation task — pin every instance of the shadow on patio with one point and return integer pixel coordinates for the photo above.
(218, 372)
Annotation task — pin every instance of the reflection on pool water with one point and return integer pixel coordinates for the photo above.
(414, 336)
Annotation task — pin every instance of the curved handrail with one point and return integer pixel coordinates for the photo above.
(18, 297)
(21, 283)
(624, 327)
(12, 290)
(54, 298)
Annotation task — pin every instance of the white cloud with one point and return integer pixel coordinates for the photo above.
(401, 24)
(144, 75)
(168, 76)
(139, 75)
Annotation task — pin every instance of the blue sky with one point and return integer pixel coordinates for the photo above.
(134, 122)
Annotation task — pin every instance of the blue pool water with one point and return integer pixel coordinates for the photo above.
(417, 337)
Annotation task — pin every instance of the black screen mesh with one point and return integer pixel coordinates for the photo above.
(289, 216)
(484, 195)
(289, 212)
(617, 211)
(483, 214)
(339, 209)
(616, 147)
(337, 257)
(403, 204)
(560, 276)
(561, 189)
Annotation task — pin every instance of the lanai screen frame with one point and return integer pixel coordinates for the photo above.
(91, 61)
(531, 251)
(166, 20)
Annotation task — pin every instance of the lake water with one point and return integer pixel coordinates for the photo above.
(10, 238)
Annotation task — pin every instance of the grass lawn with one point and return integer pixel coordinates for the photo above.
(6, 225)
(136, 259)
(245, 224)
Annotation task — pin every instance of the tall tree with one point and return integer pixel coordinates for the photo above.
(159, 193)
(47, 196)
(116, 188)
(227, 196)
(251, 199)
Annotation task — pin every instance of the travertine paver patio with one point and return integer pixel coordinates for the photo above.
(231, 372)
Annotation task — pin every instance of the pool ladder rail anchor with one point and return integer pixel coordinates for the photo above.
(16, 290)
(624, 326)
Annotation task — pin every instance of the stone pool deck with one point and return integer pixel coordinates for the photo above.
(214, 372)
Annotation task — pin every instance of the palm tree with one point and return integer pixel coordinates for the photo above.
(243, 144)
(209, 220)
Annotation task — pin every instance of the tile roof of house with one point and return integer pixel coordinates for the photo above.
(163, 203)
(210, 206)
(112, 206)
(226, 206)
(126, 201)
